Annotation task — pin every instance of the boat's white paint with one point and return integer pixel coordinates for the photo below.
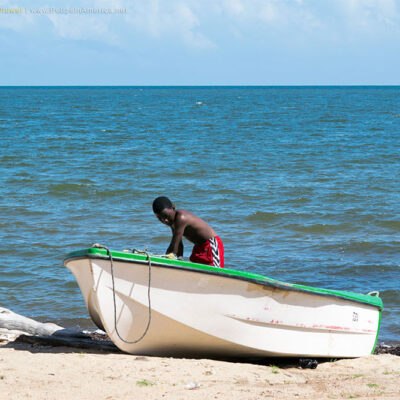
(199, 314)
(83, 272)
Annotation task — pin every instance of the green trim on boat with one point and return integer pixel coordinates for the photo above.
(99, 252)
(377, 331)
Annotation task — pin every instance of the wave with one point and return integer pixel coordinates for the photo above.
(322, 228)
(265, 216)
(390, 224)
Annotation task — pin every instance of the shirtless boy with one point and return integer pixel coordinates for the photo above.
(208, 248)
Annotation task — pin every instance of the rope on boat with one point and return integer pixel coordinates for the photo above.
(100, 246)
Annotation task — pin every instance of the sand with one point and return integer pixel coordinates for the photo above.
(37, 372)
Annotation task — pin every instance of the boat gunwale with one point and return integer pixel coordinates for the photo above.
(244, 276)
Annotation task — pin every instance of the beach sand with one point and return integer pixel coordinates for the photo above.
(40, 372)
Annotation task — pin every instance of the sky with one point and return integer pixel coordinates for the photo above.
(200, 42)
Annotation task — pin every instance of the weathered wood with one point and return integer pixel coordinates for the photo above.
(15, 322)
(15, 327)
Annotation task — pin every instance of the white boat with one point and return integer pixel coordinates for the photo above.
(200, 311)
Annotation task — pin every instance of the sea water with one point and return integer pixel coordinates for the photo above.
(301, 183)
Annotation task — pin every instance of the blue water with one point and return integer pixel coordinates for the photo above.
(301, 183)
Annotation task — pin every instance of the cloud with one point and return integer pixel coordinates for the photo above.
(233, 7)
(199, 25)
(188, 23)
(266, 15)
(176, 19)
(313, 13)
(83, 27)
(367, 14)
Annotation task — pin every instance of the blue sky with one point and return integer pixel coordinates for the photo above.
(201, 42)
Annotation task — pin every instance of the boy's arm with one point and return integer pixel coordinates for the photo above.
(180, 250)
(176, 245)
(179, 253)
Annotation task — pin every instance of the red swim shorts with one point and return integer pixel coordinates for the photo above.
(211, 252)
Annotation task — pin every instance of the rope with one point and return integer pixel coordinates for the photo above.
(99, 246)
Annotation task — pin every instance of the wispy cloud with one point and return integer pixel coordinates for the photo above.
(187, 21)
(175, 19)
(309, 14)
(200, 25)
(83, 27)
(367, 14)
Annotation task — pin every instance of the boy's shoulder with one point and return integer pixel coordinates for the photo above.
(184, 216)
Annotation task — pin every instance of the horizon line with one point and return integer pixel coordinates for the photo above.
(205, 86)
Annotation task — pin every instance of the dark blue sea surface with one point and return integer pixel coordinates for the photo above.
(301, 183)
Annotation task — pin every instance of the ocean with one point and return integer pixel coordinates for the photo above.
(301, 183)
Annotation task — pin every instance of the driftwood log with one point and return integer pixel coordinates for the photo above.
(17, 328)
(12, 322)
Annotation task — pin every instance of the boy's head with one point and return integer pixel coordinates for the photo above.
(164, 210)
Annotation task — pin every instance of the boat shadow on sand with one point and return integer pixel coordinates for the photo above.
(92, 342)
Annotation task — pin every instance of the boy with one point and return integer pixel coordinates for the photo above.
(208, 248)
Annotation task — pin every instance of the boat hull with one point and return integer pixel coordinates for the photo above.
(195, 313)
